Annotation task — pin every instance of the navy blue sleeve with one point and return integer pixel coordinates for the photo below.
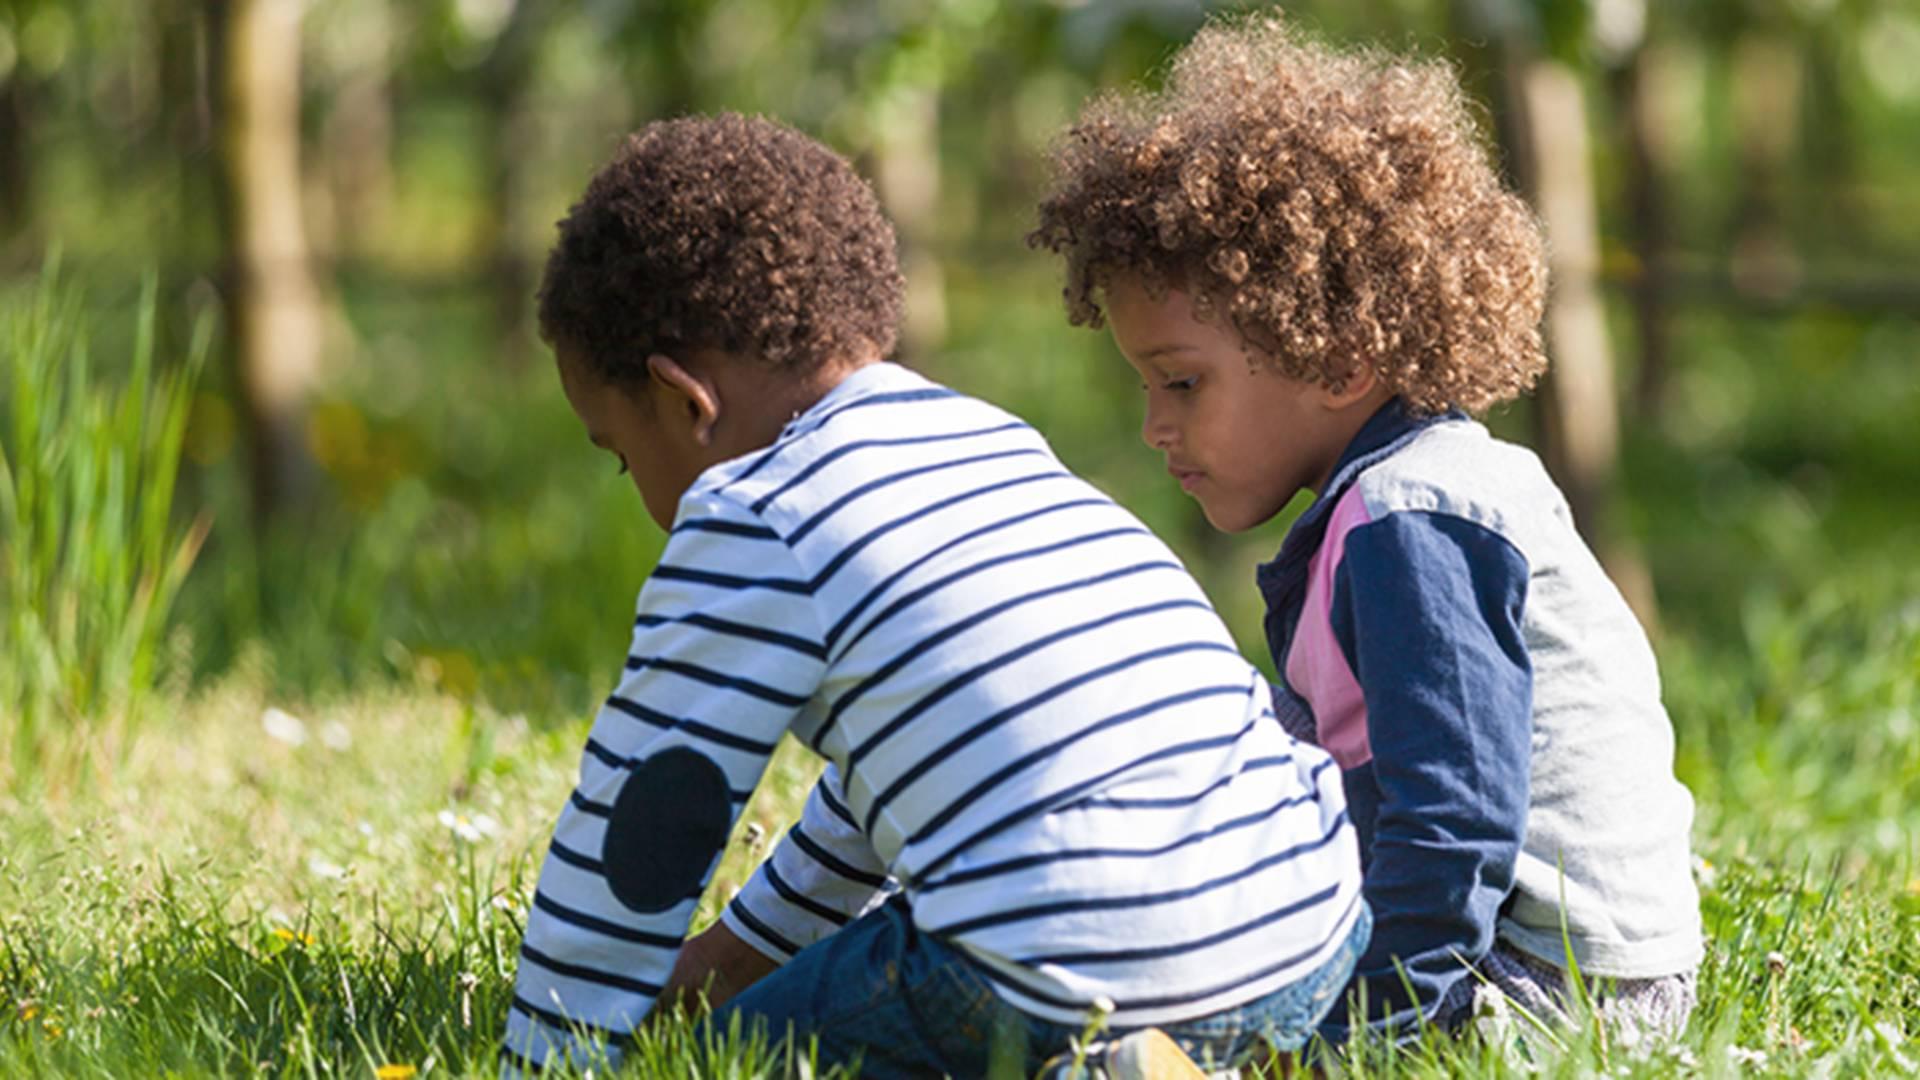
(1427, 608)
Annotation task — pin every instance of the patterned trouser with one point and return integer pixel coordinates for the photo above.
(1637, 1009)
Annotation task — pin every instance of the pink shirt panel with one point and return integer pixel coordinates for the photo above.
(1316, 668)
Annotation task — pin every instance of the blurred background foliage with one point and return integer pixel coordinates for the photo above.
(359, 193)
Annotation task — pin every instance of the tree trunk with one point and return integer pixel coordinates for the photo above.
(505, 79)
(16, 171)
(1647, 226)
(907, 174)
(273, 304)
(1576, 411)
(186, 81)
(1767, 80)
(1830, 144)
(357, 140)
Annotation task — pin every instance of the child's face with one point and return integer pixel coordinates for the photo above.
(1240, 438)
(628, 428)
(693, 412)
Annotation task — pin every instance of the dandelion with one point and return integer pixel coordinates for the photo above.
(1703, 871)
(1740, 1055)
(335, 736)
(1777, 962)
(1098, 1011)
(468, 981)
(282, 726)
(395, 1072)
(1491, 1016)
(292, 938)
(470, 829)
(1893, 1037)
(1632, 1040)
(28, 1010)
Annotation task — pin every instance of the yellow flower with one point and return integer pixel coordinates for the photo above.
(285, 934)
(28, 1012)
(395, 1072)
(52, 1027)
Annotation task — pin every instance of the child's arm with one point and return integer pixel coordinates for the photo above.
(672, 757)
(823, 875)
(1427, 610)
(713, 966)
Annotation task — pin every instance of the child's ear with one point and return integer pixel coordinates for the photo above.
(1359, 383)
(686, 395)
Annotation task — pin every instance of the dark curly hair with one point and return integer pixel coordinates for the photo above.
(1337, 205)
(726, 232)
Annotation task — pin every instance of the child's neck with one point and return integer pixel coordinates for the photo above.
(1349, 418)
(758, 408)
(824, 379)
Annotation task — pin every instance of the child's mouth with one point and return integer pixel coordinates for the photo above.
(1188, 478)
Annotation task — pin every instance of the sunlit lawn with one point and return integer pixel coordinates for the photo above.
(339, 888)
(259, 891)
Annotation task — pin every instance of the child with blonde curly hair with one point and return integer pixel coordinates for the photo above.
(1309, 260)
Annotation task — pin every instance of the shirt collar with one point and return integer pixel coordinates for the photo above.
(864, 381)
(1390, 427)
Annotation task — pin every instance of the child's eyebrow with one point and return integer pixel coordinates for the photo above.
(1163, 350)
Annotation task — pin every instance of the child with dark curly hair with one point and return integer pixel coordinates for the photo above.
(1308, 259)
(1054, 788)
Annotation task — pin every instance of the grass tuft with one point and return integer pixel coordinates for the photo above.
(90, 557)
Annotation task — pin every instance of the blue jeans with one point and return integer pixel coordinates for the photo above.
(906, 1003)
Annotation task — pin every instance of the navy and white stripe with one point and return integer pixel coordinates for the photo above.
(1035, 725)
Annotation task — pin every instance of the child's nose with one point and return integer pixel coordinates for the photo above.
(1155, 430)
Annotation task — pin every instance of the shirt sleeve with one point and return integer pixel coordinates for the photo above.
(1427, 608)
(726, 652)
(822, 875)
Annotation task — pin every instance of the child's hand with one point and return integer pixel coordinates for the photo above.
(716, 963)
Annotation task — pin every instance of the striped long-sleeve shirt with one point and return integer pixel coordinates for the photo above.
(1036, 726)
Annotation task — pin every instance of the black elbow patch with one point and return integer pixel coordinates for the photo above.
(669, 820)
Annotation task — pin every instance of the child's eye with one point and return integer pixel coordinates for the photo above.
(1181, 384)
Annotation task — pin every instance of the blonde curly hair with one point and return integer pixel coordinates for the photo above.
(1337, 205)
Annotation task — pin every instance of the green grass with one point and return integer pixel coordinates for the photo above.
(90, 558)
(229, 903)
